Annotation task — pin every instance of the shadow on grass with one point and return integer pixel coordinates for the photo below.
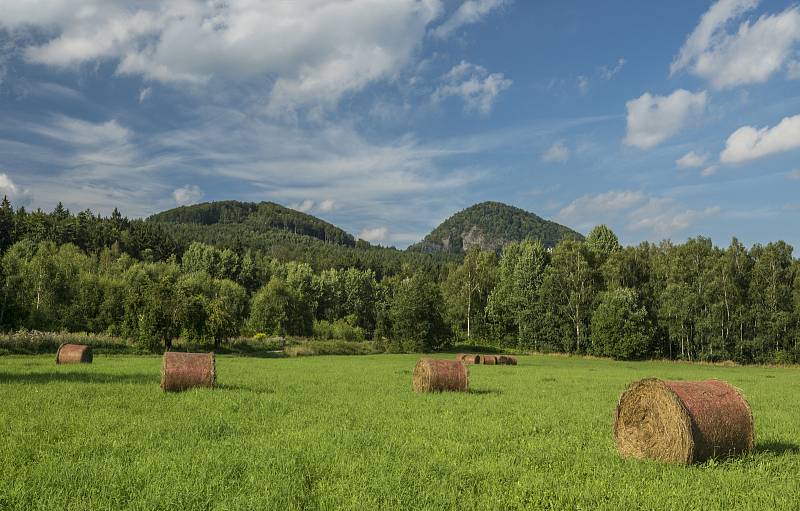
(777, 448)
(469, 348)
(57, 376)
(482, 392)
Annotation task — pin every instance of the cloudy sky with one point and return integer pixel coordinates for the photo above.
(661, 119)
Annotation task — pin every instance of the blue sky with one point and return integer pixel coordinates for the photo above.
(660, 119)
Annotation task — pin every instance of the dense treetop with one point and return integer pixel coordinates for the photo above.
(491, 226)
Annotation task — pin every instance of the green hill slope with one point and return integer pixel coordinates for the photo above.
(491, 225)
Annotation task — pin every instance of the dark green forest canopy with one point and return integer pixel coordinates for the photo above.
(257, 216)
(491, 226)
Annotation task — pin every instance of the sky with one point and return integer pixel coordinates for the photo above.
(385, 117)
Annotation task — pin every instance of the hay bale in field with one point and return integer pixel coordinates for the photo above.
(506, 360)
(468, 358)
(181, 371)
(682, 421)
(489, 360)
(432, 375)
(74, 354)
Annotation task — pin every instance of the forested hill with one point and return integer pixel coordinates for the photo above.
(257, 216)
(491, 226)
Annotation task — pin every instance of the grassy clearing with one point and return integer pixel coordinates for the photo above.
(348, 433)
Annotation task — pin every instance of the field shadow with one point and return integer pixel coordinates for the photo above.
(470, 348)
(777, 448)
(77, 377)
(481, 392)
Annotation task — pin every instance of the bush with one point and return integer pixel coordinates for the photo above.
(340, 329)
(32, 342)
(310, 348)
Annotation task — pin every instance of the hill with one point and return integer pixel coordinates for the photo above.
(260, 217)
(491, 226)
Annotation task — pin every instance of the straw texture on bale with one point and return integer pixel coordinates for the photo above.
(468, 358)
(74, 354)
(181, 371)
(489, 360)
(507, 360)
(432, 375)
(683, 421)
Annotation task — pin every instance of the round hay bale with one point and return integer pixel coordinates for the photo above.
(74, 354)
(432, 375)
(682, 421)
(181, 371)
(489, 360)
(468, 358)
(506, 360)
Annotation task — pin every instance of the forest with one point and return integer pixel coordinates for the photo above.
(151, 283)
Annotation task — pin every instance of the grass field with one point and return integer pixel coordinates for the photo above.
(348, 433)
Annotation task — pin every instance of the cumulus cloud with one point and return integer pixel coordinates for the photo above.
(635, 211)
(709, 171)
(692, 159)
(310, 52)
(189, 194)
(374, 234)
(749, 143)
(653, 119)
(750, 55)
(16, 194)
(474, 85)
(469, 12)
(327, 205)
(556, 153)
(583, 84)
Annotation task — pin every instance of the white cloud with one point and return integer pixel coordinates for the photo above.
(374, 234)
(653, 119)
(589, 206)
(145, 93)
(327, 205)
(709, 171)
(16, 194)
(634, 211)
(794, 175)
(471, 11)
(307, 52)
(750, 55)
(608, 72)
(189, 194)
(749, 143)
(692, 159)
(556, 153)
(474, 85)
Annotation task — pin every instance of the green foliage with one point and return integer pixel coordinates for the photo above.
(492, 225)
(620, 326)
(416, 313)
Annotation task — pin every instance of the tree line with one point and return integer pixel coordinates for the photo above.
(690, 301)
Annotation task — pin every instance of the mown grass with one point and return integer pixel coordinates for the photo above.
(348, 433)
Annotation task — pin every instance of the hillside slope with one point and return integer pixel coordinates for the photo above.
(260, 217)
(491, 226)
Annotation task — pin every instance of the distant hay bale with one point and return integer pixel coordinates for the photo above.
(468, 358)
(74, 354)
(682, 421)
(506, 360)
(433, 375)
(181, 371)
(489, 360)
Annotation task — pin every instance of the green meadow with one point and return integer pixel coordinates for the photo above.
(341, 432)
